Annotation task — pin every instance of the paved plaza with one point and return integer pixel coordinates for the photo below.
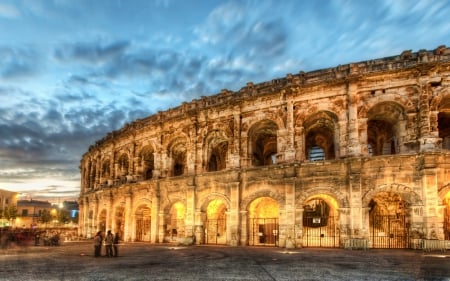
(143, 261)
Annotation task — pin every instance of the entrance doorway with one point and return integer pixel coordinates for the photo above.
(447, 218)
(143, 219)
(388, 221)
(263, 222)
(320, 228)
(216, 223)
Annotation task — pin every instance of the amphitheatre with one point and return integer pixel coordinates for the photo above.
(356, 155)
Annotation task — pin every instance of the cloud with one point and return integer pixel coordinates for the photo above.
(19, 62)
(9, 11)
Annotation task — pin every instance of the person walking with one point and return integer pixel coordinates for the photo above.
(109, 239)
(98, 244)
(116, 244)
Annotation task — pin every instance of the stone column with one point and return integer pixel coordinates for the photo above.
(154, 238)
(199, 231)
(353, 144)
(129, 223)
(298, 227)
(432, 220)
(233, 215)
(161, 228)
(244, 228)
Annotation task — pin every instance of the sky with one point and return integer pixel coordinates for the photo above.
(73, 70)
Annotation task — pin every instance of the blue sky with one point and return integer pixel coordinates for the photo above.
(73, 70)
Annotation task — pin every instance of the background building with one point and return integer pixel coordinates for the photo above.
(8, 207)
(358, 152)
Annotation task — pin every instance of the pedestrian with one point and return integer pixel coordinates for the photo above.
(98, 244)
(116, 244)
(109, 239)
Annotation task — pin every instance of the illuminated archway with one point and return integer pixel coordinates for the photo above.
(388, 221)
(175, 226)
(142, 223)
(216, 222)
(320, 221)
(447, 216)
(263, 221)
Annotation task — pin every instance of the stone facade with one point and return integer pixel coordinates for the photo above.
(321, 158)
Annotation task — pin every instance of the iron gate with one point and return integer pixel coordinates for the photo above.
(263, 232)
(142, 229)
(216, 231)
(447, 222)
(320, 231)
(389, 231)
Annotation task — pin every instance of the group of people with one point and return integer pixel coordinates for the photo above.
(111, 244)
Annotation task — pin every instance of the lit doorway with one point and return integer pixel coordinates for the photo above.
(216, 223)
(263, 222)
(320, 224)
(143, 220)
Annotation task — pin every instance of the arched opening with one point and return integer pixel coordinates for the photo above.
(447, 217)
(175, 226)
(147, 162)
(102, 221)
(382, 124)
(444, 128)
(106, 170)
(143, 223)
(263, 143)
(319, 137)
(263, 222)
(120, 222)
(178, 154)
(388, 221)
(320, 222)
(217, 155)
(216, 222)
(123, 164)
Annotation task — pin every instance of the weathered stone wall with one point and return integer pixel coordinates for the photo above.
(361, 137)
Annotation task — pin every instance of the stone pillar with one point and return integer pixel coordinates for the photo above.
(353, 144)
(161, 228)
(298, 227)
(199, 231)
(289, 235)
(129, 223)
(233, 215)
(432, 220)
(154, 238)
(190, 211)
(244, 228)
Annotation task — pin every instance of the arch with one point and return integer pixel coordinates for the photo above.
(263, 193)
(407, 194)
(142, 217)
(147, 161)
(383, 130)
(320, 221)
(443, 119)
(331, 196)
(204, 201)
(263, 221)
(321, 129)
(123, 163)
(177, 151)
(174, 221)
(215, 151)
(263, 143)
(401, 100)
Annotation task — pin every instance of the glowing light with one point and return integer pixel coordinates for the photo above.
(216, 209)
(178, 211)
(264, 207)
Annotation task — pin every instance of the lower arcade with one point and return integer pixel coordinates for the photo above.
(309, 205)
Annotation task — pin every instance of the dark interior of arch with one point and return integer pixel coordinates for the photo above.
(444, 128)
(147, 162)
(217, 158)
(264, 143)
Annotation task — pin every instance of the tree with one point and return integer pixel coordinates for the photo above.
(45, 216)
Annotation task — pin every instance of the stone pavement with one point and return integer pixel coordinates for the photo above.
(143, 261)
